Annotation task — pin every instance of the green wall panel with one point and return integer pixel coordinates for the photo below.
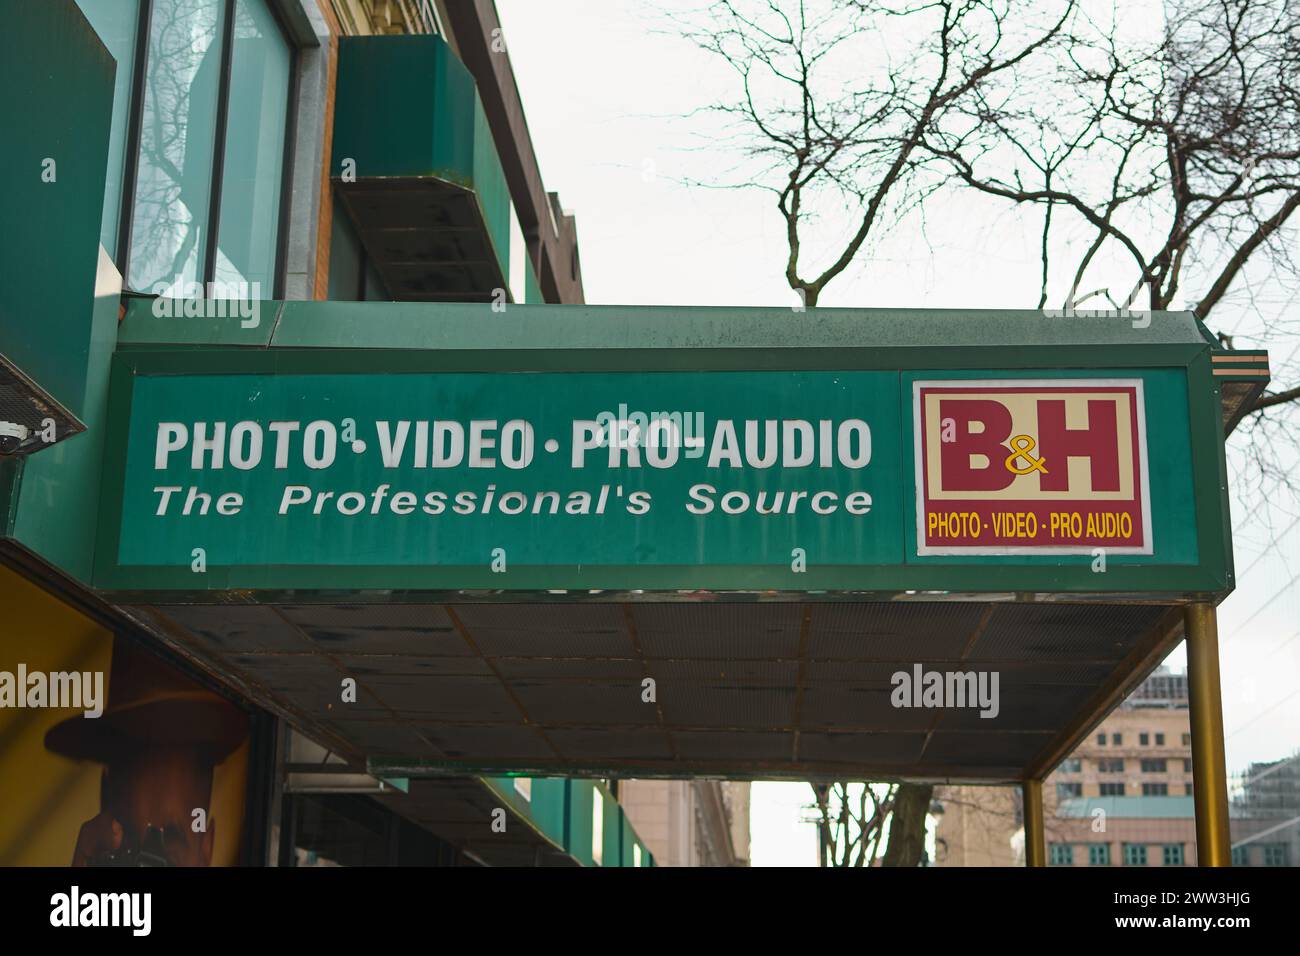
(57, 106)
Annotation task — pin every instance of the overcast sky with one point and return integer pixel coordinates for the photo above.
(608, 89)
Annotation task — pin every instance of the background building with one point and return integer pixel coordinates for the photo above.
(690, 822)
(1124, 798)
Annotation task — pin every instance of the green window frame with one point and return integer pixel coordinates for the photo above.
(1099, 854)
(1135, 854)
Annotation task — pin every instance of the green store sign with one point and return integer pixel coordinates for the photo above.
(932, 481)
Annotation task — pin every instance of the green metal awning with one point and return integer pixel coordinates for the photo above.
(759, 670)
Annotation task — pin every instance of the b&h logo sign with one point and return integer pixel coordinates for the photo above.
(1052, 466)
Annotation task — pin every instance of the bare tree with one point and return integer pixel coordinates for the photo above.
(835, 100)
(850, 821)
(1176, 153)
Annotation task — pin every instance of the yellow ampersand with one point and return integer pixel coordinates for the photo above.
(1020, 447)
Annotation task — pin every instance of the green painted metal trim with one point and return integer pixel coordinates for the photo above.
(504, 790)
(526, 328)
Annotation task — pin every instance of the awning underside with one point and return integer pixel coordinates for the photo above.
(754, 690)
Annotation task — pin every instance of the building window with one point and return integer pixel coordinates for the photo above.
(1065, 791)
(1101, 740)
(1275, 854)
(1143, 739)
(253, 168)
(1099, 854)
(1111, 789)
(1172, 854)
(1240, 856)
(1116, 739)
(1155, 789)
(1160, 740)
(1110, 765)
(1060, 854)
(194, 192)
(1135, 854)
(1154, 765)
(1071, 765)
(1187, 740)
(1187, 766)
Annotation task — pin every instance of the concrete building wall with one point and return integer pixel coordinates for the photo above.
(690, 823)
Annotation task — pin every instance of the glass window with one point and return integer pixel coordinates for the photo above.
(1073, 765)
(1064, 791)
(1111, 765)
(1155, 789)
(253, 166)
(1187, 766)
(1160, 740)
(178, 240)
(1099, 854)
(117, 22)
(1101, 740)
(1112, 789)
(1143, 739)
(1172, 854)
(173, 188)
(1240, 857)
(1275, 854)
(1116, 739)
(1060, 854)
(1154, 765)
(1187, 740)
(1135, 854)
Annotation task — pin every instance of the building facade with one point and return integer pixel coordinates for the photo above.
(690, 822)
(239, 151)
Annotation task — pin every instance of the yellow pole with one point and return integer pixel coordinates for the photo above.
(1209, 766)
(1035, 838)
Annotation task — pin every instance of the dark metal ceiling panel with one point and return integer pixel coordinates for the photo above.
(753, 631)
(899, 630)
(378, 628)
(1049, 632)
(741, 689)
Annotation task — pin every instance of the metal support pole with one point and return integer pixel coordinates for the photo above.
(1035, 834)
(1209, 767)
